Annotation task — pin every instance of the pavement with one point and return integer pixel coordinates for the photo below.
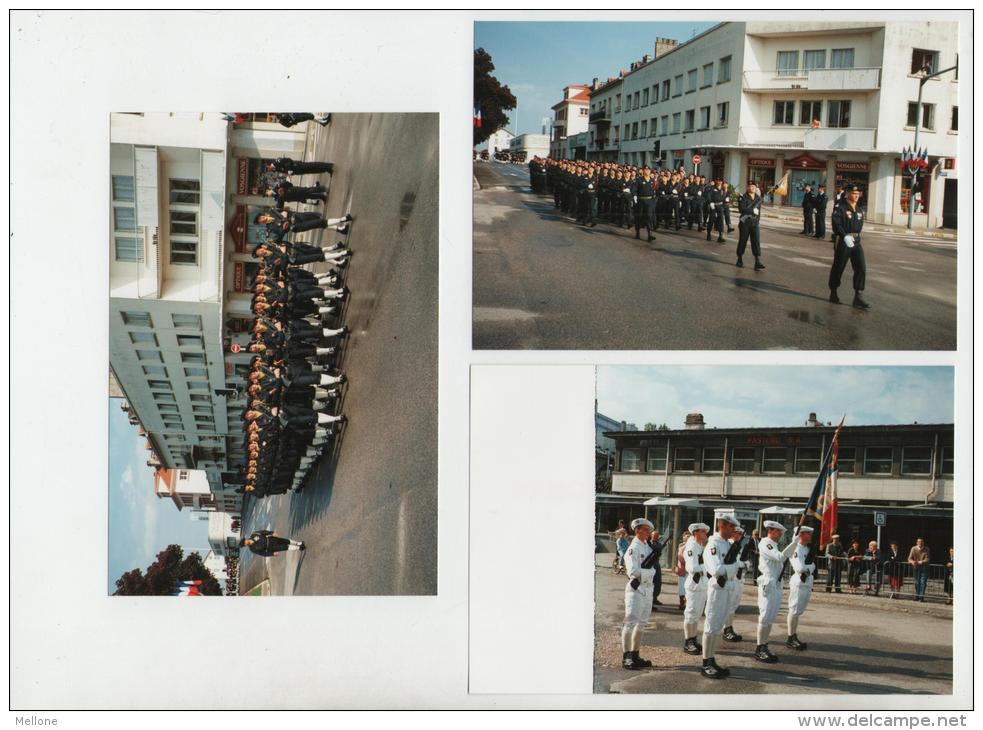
(382, 475)
(857, 645)
(540, 281)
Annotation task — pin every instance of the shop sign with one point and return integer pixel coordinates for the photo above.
(760, 162)
(770, 440)
(242, 175)
(239, 277)
(845, 166)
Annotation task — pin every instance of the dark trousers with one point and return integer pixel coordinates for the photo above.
(715, 220)
(290, 119)
(820, 223)
(726, 209)
(304, 168)
(301, 330)
(645, 216)
(807, 217)
(298, 349)
(300, 195)
(856, 258)
(749, 230)
(557, 194)
(834, 573)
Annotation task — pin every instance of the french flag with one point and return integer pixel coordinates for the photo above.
(188, 588)
(477, 117)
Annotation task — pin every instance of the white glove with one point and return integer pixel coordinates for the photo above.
(848, 241)
(626, 190)
(590, 187)
(635, 198)
(712, 206)
(699, 192)
(757, 211)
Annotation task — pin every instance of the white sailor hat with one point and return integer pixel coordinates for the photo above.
(697, 526)
(805, 528)
(727, 517)
(641, 522)
(739, 528)
(772, 525)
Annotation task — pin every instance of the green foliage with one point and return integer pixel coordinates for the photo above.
(162, 576)
(490, 97)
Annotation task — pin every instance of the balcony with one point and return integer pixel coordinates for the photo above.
(823, 79)
(846, 138)
(601, 117)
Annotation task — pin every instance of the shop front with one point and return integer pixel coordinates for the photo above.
(802, 171)
(717, 165)
(249, 175)
(761, 171)
(853, 173)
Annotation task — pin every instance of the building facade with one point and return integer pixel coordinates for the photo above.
(530, 145)
(500, 140)
(825, 102)
(570, 117)
(681, 476)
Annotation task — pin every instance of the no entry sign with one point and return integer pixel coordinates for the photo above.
(696, 159)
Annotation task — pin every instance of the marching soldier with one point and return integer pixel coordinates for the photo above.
(736, 586)
(643, 195)
(803, 562)
(771, 561)
(808, 205)
(640, 570)
(848, 222)
(819, 204)
(749, 207)
(696, 585)
(720, 561)
(715, 211)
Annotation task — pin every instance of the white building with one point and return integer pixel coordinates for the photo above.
(570, 117)
(221, 537)
(182, 190)
(531, 145)
(500, 140)
(827, 102)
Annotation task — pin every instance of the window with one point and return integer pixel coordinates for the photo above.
(656, 459)
(123, 189)
(838, 114)
(704, 117)
(653, 122)
(187, 321)
(810, 110)
(176, 438)
(947, 460)
(584, 112)
(922, 59)
(206, 428)
(148, 337)
(677, 85)
(201, 409)
(644, 129)
(665, 124)
(723, 74)
(627, 102)
(195, 373)
(197, 385)
(616, 128)
(185, 192)
(629, 460)
(784, 112)
(807, 460)
(129, 248)
(690, 120)
(773, 460)
(193, 357)
(954, 123)
(160, 384)
(665, 89)
(167, 408)
(692, 80)
(742, 460)
(645, 96)
(713, 459)
(846, 461)
(916, 460)
(841, 58)
(184, 252)
(204, 419)
(634, 130)
(164, 398)
(928, 115)
(723, 111)
(635, 104)
(189, 340)
(655, 93)
(617, 107)
(685, 459)
(677, 119)
(128, 244)
(158, 370)
(788, 63)
(184, 223)
(201, 398)
(708, 75)
(137, 319)
(813, 59)
(150, 355)
(878, 460)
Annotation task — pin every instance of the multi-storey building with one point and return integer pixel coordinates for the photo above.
(569, 118)
(681, 476)
(530, 145)
(825, 102)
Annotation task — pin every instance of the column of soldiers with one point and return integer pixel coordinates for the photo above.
(292, 382)
(715, 566)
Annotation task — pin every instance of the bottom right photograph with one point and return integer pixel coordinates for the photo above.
(774, 530)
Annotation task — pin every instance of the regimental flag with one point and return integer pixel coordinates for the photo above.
(822, 507)
(782, 187)
(477, 117)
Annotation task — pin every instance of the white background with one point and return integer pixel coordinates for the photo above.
(72, 647)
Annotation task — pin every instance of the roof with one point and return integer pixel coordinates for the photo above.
(784, 429)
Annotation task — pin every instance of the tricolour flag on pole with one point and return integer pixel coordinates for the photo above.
(822, 506)
(782, 187)
(477, 117)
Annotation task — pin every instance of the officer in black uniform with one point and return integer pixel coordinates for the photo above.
(808, 204)
(715, 203)
(643, 195)
(819, 203)
(749, 208)
(848, 222)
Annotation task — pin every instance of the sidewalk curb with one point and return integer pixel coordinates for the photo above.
(477, 185)
(875, 227)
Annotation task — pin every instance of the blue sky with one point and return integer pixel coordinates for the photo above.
(756, 395)
(140, 524)
(537, 60)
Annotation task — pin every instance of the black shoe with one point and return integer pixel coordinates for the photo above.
(829, 590)
(628, 660)
(839, 590)
(762, 654)
(729, 635)
(639, 662)
(730, 229)
(793, 642)
(651, 238)
(720, 239)
(691, 647)
(303, 546)
(637, 235)
(835, 300)
(740, 263)
(708, 238)
(710, 670)
(758, 266)
(859, 303)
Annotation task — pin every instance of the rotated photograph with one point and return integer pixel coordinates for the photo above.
(273, 353)
(715, 186)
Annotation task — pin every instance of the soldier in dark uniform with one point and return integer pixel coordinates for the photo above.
(715, 202)
(296, 167)
(819, 203)
(675, 197)
(724, 187)
(643, 194)
(807, 211)
(848, 222)
(749, 208)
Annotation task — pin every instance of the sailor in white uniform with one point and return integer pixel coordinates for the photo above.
(720, 562)
(771, 561)
(696, 586)
(736, 586)
(803, 562)
(640, 568)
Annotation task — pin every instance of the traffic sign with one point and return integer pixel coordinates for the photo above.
(880, 519)
(696, 159)
(236, 348)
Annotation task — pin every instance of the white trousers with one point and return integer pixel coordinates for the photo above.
(736, 589)
(769, 601)
(695, 602)
(718, 605)
(798, 595)
(638, 610)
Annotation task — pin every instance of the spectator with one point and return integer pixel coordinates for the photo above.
(816, 124)
(918, 558)
(658, 547)
(872, 566)
(894, 568)
(680, 569)
(834, 567)
(755, 553)
(622, 545)
(855, 561)
(947, 587)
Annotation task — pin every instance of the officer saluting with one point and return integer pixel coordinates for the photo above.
(640, 568)
(749, 208)
(696, 585)
(771, 561)
(848, 222)
(720, 561)
(803, 562)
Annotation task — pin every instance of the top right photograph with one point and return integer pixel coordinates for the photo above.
(715, 186)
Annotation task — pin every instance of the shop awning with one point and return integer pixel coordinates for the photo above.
(672, 502)
(781, 510)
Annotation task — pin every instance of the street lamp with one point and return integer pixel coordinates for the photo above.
(918, 123)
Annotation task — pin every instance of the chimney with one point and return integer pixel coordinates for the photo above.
(694, 422)
(664, 45)
(624, 426)
(646, 58)
(812, 421)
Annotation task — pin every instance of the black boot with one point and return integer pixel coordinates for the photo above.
(834, 299)
(793, 642)
(758, 266)
(691, 647)
(639, 662)
(729, 635)
(720, 239)
(859, 303)
(637, 234)
(740, 263)
(710, 670)
(762, 654)
(628, 660)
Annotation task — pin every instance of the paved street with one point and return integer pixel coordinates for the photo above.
(543, 282)
(857, 645)
(369, 517)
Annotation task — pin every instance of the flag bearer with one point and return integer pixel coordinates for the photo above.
(771, 561)
(803, 562)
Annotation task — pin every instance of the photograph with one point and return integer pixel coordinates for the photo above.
(768, 184)
(273, 353)
(797, 541)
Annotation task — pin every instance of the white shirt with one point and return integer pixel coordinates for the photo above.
(692, 556)
(798, 560)
(636, 553)
(713, 559)
(771, 560)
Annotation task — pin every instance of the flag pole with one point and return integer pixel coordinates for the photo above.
(826, 456)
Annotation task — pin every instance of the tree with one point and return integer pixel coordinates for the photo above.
(653, 427)
(162, 576)
(490, 97)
